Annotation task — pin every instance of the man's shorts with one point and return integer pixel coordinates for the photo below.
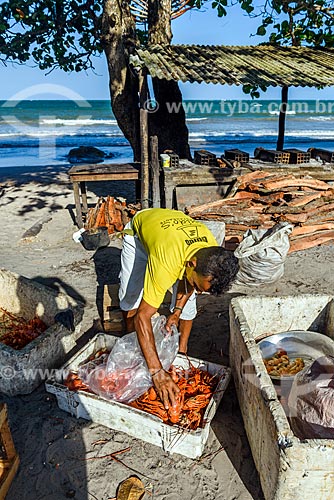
(133, 268)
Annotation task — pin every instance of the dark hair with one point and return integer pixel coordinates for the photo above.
(219, 263)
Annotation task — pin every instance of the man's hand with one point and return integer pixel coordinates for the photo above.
(173, 319)
(166, 388)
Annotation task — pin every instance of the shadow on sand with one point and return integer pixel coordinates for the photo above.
(51, 465)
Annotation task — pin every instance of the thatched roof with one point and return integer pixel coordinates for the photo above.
(239, 65)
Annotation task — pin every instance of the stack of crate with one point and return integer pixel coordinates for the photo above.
(9, 460)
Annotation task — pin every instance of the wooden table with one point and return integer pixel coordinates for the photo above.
(80, 174)
(191, 184)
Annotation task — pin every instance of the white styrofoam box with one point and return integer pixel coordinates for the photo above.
(136, 423)
(289, 468)
(21, 371)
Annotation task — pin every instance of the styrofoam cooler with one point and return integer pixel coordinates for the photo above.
(136, 423)
(289, 468)
(22, 370)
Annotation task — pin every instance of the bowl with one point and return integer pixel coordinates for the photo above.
(95, 238)
(303, 344)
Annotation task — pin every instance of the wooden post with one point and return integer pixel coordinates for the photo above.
(281, 120)
(77, 201)
(155, 168)
(143, 117)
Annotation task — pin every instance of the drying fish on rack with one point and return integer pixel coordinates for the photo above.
(262, 199)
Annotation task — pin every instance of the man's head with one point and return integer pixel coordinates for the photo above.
(212, 269)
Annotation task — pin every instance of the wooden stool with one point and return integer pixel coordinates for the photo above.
(80, 174)
(9, 460)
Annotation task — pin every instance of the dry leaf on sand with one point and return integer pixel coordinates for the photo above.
(131, 489)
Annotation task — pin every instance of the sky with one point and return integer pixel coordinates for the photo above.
(193, 27)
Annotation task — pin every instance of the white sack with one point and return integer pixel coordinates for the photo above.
(261, 255)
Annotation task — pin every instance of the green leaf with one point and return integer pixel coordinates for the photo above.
(261, 31)
(221, 11)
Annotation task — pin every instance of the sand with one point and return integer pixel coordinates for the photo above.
(54, 447)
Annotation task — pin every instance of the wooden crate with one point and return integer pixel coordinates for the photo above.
(112, 315)
(9, 460)
(289, 468)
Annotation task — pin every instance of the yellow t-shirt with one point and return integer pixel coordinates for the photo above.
(170, 239)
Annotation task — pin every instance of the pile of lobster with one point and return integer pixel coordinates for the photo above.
(196, 386)
(196, 389)
(16, 332)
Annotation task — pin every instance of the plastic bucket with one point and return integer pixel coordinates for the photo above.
(95, 238)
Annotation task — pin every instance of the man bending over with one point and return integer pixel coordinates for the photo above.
(162, 249)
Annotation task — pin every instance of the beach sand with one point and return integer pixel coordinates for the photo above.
(53, 446)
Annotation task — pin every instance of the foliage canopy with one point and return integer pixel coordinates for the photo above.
(66, 33)
(53, 33)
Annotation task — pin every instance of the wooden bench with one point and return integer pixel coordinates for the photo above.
(9, 460)
(80, 174)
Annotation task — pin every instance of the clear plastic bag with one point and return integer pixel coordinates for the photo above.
(123, 376)
(311, 400)
(262, 254)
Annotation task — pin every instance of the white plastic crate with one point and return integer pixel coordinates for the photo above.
(289, 468)
(135, 422)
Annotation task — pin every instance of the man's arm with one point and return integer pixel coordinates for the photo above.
(163, 383)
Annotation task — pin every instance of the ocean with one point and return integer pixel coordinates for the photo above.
(34, 133)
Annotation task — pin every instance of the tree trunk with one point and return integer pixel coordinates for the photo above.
(119, 39)
(169, 126)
